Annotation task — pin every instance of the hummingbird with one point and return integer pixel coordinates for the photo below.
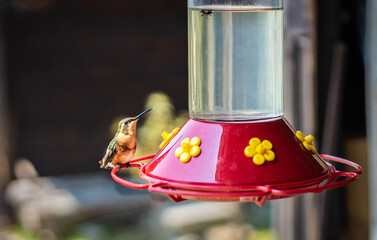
(122, 147)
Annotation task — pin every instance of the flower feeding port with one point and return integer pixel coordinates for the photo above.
(237, 146)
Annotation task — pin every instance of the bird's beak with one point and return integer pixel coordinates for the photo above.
(132, 125)
(141, 114)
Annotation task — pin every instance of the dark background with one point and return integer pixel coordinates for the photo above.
(342, 22)
(74, 66)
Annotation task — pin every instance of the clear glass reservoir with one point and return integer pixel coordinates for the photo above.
(235, 59)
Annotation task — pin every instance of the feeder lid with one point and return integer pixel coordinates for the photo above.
(222, 159)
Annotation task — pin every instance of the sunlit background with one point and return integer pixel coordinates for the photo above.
(70, 70)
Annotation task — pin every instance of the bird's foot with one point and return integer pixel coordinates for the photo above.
(109, 166)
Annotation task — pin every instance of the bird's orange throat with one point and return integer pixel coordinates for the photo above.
(131, 128)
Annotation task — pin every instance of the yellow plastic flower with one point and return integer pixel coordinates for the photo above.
(167, 137)
(189, 148)
(259, 151)
(307, 141)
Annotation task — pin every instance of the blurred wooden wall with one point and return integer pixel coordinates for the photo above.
(76, 65)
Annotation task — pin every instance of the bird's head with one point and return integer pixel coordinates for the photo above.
(128, 125)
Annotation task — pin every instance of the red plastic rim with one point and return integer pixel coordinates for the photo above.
(132, 164)
(256, 193)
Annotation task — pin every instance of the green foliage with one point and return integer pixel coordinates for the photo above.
(162, 118)
(263, 234)
(15, 232)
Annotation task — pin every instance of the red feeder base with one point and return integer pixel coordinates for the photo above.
(223, 171)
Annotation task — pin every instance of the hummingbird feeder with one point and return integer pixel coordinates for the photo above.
(237, 146)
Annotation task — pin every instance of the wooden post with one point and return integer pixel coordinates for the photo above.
(4, 140)
(295, 217)
(371, 107)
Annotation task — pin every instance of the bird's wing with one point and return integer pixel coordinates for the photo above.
(110, 153)
(113, 144)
